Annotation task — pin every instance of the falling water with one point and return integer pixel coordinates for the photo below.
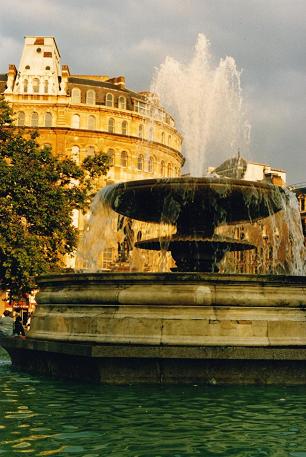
(102, 232)
(99, 234)
(295, 247)
(207, 103)
(279, 239)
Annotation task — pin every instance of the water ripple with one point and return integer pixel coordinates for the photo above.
(54, 418)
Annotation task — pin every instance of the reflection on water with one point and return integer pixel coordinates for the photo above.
(43, 417)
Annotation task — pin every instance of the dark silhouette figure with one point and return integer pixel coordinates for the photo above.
(18, 327)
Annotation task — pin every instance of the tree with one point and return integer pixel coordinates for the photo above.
(38, 193)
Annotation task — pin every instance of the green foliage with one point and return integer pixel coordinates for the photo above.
(38, 194)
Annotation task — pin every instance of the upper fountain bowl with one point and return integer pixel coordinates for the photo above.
(195, 204)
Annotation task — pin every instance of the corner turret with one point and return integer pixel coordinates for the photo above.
(39, 70)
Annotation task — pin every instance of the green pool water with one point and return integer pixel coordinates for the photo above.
(43, 417)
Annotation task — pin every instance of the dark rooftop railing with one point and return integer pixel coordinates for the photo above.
(300, 186)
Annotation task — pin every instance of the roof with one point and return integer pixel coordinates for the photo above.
(235, 167)
(91, 82)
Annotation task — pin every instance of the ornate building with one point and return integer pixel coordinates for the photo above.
(77, 115)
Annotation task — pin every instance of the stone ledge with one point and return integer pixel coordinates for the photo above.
(95, 351)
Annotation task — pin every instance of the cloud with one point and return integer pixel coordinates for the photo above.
(147, 45)
(9, 47)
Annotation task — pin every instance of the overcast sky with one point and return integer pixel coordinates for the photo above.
(267, 39)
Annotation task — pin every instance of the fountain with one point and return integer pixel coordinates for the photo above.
(190, 325)
(196, 206)
(182, 326)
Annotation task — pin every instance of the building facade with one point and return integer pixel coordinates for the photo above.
(78, 115)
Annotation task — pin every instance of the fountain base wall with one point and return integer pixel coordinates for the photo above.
(128, 365)
(167, 328)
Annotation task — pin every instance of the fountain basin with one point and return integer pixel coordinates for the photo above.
(194, 204)
(167, 328)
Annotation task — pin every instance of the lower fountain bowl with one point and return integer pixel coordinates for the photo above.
(167, 328)
(194, 252)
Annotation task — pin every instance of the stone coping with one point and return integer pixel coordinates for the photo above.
(168, 278)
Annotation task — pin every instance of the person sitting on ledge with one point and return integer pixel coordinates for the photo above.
(6, 324)
(18, 327)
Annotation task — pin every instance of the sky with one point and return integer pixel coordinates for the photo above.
(133, 37)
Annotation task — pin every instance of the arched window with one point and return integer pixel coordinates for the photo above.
(154, 164)
(122, 102)
(90, 151)
(90, 97)
(163, 137)
(111, 155)
(169, 140)
(162, 168)
(140, 161)
(169, 170)
(21, 119)
(109, 101)
(34, 119)
(140, 131)
(124, 128)
(75, 121)
(124, 159)
(25, 86)
(75, 154)
(151, 135)
(35, 85)
(48, 120)
(76, 95)
(111, 125)
(150, 164)
(91, 122)
(46, 86)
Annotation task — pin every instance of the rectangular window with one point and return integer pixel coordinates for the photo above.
(107, 258)
(39, 40)
(141, 107)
